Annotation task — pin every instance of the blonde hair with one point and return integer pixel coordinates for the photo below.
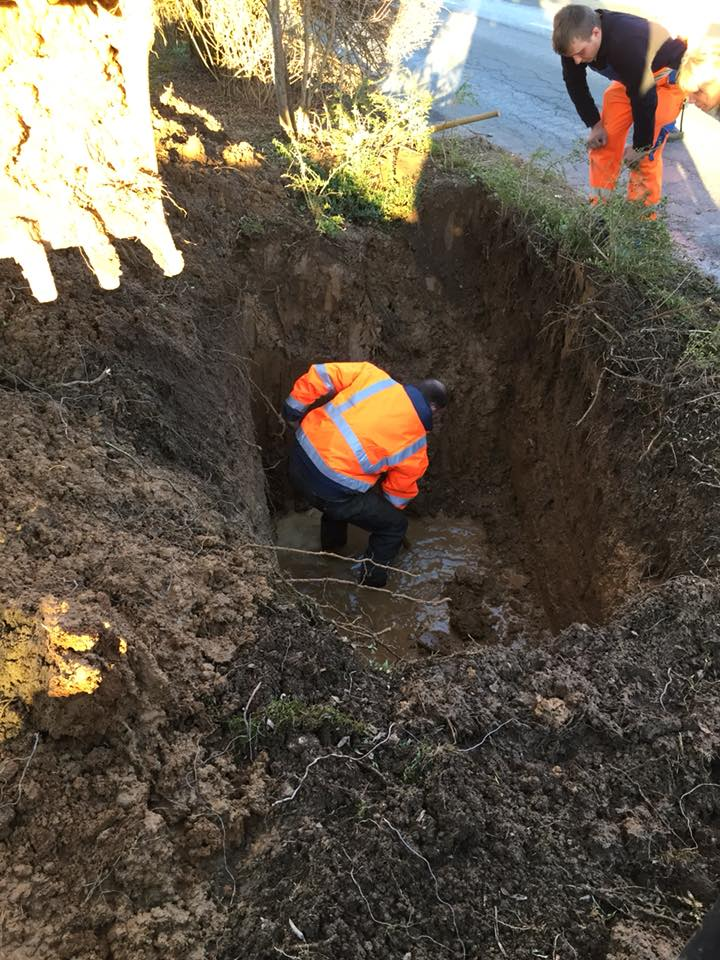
(699, 66)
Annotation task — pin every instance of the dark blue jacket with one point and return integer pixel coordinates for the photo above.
(628, 45)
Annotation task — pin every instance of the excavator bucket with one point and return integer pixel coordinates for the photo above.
(77, 155)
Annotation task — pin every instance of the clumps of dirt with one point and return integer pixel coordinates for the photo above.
(471, 817)
(45, 660)
(139, 560)
(238, 782)
(631, 941)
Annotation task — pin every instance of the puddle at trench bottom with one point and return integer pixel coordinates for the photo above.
(382, 626)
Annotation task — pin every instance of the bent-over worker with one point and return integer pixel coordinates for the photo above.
(642, 60)
(355, 426)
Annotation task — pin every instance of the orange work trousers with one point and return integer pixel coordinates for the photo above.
(645, 183)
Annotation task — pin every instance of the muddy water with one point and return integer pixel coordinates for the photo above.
(386, 625)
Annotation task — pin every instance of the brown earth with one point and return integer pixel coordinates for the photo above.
(228, 780)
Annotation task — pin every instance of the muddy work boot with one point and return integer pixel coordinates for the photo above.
(369, 574)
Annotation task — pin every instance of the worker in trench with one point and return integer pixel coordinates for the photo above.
(359, 450)
(642, 60)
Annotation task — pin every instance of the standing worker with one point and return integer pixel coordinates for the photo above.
(642, 60)
(353, 426)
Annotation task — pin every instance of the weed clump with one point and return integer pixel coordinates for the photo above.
(419, 763)
(285, 714)
(615, 236)
(346, 168)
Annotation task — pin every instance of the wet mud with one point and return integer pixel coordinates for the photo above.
(237, 777)
(412, 615)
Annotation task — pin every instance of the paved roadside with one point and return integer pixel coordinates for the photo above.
(492, 54)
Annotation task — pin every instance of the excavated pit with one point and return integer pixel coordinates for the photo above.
(524, 454)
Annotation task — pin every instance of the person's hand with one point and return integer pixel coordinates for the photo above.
(631, 156)
(598, 136)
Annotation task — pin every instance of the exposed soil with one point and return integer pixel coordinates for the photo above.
(229, 779)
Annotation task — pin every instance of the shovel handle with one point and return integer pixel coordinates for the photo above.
(461, 121)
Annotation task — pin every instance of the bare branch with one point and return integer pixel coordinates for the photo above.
(246, 721)
(327, 553)
(682, 806)
(86, 383)
(595, 396)
(363, 586)
(496, 931)
(435, 881)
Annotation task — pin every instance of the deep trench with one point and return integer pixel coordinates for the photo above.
(524, 450)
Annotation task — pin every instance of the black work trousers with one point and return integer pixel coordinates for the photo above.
(386, 524)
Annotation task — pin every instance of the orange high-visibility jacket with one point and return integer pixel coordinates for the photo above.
(368, 427)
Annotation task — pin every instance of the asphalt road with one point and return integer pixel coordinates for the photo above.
(491, 54)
